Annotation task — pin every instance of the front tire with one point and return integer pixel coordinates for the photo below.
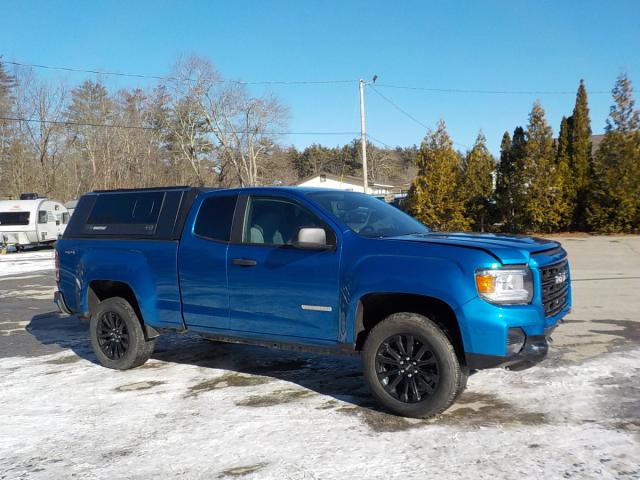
(411, 367)
(117, 337)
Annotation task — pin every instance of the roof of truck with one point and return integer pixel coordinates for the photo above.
(231, 189)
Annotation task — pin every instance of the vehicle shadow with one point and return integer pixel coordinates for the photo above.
(339, 377)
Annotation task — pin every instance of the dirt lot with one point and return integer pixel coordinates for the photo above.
(203, 410)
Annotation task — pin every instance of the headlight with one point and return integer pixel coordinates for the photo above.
(505, 286)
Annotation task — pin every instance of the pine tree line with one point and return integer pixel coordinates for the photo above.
(539, 184)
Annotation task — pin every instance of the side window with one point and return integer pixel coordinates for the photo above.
(42, 216)
(276, 221)
(65, 218)
(215, 217)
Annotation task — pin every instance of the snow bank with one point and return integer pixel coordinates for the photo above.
(64, 416)
(13, 264)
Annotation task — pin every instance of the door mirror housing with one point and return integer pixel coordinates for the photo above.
(312, 238)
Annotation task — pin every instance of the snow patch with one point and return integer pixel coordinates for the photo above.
(13, 264)
(63, 418)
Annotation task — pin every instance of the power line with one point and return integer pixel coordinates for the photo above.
(408, 115)
(397, 107)
(179, 79)
(142, 127)
(309, 82)
(490, 92)
(371, 137)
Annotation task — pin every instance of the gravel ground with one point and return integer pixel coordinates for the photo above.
(205, 410)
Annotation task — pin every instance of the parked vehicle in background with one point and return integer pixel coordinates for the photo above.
(71, 206)
(311, 269)
(31, 222)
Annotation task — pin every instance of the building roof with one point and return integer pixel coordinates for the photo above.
(343, 178)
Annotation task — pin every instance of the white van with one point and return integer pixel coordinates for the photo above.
(31, 222)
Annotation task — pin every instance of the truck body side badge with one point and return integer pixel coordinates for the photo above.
(316, 308)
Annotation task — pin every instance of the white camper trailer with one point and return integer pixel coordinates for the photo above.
(31, 222)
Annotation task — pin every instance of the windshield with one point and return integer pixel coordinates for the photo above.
(367, 215)
(14, 218)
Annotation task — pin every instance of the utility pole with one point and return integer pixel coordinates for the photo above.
(363, 138)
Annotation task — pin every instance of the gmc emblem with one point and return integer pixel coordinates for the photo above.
(560, 278)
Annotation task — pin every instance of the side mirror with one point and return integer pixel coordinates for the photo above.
(312, 238)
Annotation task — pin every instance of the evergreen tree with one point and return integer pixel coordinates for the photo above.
(434, 197)
(579, 157)
(510, 181)
(517, 181)
(614, 202)
(545, 205)
(564, 172)
(562, 148)
(504, 173)
(623, 117)
(317, 159)
(478, 169)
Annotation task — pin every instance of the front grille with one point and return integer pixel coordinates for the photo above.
(555, 287)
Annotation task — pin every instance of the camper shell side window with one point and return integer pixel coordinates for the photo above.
(149, 214)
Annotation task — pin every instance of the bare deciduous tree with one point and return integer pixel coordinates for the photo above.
(241, 129)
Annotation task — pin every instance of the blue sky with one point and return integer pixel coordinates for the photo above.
(473, 45)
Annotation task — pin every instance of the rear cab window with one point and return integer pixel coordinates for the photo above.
(215, 217)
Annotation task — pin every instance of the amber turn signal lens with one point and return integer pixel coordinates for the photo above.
(486, 283)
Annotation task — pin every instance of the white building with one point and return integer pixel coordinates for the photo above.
(346, 182)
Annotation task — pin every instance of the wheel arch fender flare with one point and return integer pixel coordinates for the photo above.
(432, 279)
(135, 277)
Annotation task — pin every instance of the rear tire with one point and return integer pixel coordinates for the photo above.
(117, 337)
(411, 367)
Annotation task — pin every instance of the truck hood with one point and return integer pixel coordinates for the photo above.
(509, 249)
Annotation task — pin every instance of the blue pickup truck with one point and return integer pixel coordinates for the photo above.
(310, 269)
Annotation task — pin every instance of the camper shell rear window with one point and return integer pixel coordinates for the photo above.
(153, 214)
(14, 218)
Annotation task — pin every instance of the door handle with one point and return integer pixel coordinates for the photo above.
(244, 262)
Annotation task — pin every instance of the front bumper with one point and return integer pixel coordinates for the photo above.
(534, 350)
(58, 299)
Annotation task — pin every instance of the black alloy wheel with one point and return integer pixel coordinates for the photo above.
(117, 335)
(407, 368)
(113, 335)
(411, 366)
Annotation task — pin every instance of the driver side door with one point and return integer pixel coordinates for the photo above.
(275, 288)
